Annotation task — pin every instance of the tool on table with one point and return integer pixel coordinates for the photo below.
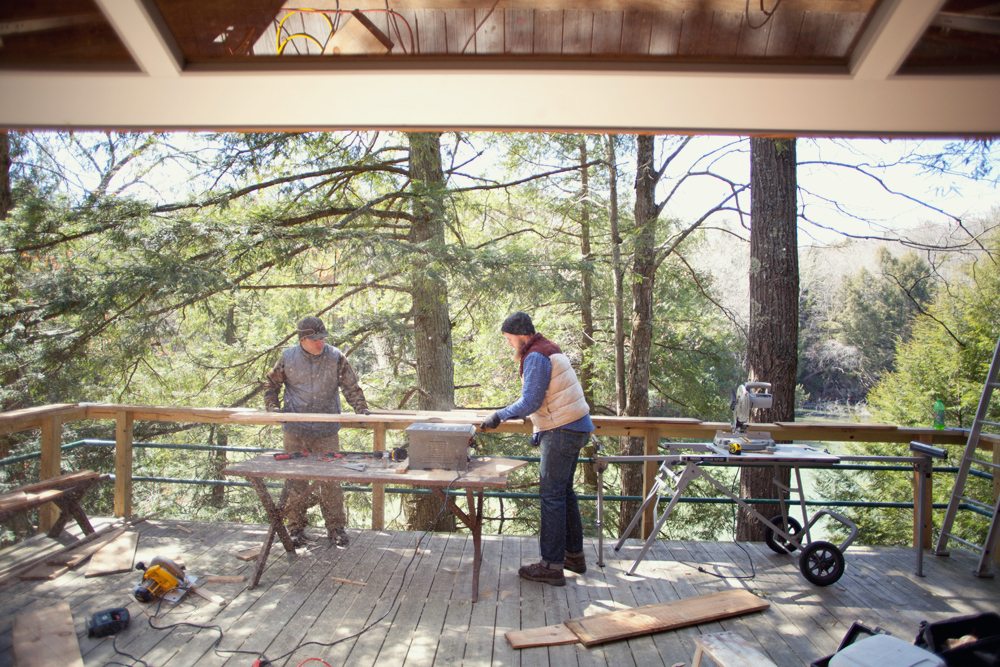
(108, 622)
(397, 454)
(355, 466)
(162, 579)
(291, 455)
(747, 397)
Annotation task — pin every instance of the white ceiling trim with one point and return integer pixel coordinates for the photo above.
(505, 99)
(893, 31)
(145, 34)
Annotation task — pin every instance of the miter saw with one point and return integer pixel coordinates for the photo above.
(746, 397)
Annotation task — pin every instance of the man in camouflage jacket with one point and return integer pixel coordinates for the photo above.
(313, 374)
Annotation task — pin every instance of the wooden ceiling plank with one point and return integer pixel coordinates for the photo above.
(725, 35)
(814, 39)
(891, 34)
(490, 36)
(637, 29)
(696, 31)
(665, 34)
(548, 36)
(846, 30)
(520, 28)
(402, 30)
(784, 34)
(146, 36)
(753, 39)
(431, 31)
(607, 38)
(578, 31)
(461, 23)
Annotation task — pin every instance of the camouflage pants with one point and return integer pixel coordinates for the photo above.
(331, 497)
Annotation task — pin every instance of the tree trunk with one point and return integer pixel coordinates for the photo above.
(772, 348)
(6, 198)
(616, 264)
(586, 307)
(643, 275)
(429, 292)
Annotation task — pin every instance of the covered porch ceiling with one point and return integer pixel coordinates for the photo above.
(802, 67)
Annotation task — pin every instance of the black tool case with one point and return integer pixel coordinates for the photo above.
(983, 652)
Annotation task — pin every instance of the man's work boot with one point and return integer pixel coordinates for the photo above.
(539, 572)
(575, 563)
(339, 537)
(298, 536)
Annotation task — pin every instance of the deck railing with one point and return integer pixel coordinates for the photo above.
(50, 419)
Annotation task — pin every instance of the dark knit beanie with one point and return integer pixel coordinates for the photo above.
(518, 324)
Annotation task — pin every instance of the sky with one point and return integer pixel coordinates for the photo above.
(843, 199)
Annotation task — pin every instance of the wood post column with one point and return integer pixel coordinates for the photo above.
(649, 470)
(51, 466)
(124, 421)
(378, 490)
(928, 527)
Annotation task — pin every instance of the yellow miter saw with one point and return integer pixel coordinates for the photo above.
(163, 578)
(746, 397)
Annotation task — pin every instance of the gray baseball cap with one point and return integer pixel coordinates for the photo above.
(311, 328)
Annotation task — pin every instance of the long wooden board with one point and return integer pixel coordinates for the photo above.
(615, 625)
(78, 554)
(46, 637)
(115, 556)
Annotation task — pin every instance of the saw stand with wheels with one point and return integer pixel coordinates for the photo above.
(821, 562)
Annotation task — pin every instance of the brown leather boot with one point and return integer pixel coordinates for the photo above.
(539, 572)
(576, 563)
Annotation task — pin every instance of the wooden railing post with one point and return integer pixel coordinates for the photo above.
(124, 421)
(378, 490)
(928, 527)
(51, 466)
(649, 470)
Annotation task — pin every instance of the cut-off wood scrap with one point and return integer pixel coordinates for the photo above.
(626, 623)
(46, 637)
(115, 556)
(348, 581)
(211, 597)
(249, 554)
(225, 579)
(728, 649)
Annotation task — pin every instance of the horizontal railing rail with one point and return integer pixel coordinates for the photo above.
(49, 420)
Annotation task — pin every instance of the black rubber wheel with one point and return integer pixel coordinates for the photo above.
(821, 563)
(777, 543)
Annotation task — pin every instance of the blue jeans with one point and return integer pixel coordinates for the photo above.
(562, 528)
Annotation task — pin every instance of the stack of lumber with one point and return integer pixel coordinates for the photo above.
(43, 557)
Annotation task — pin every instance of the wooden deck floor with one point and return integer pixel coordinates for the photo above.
(429, 619)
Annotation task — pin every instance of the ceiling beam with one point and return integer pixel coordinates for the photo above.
(144, 33)
(501, 99)
(890, 36)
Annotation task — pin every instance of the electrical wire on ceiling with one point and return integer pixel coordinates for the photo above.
(392, 17)
(767, 14)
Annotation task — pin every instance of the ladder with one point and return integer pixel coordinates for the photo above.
(958, 493)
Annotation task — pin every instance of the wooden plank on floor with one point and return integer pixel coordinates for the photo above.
(617, 625)
(552, 635)
(46, 637)
(44, 572)
(79, 554)
(115, 556)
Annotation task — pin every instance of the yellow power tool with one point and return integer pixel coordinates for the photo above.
(162, 575)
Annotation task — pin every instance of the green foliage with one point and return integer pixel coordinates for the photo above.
(946, 358)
